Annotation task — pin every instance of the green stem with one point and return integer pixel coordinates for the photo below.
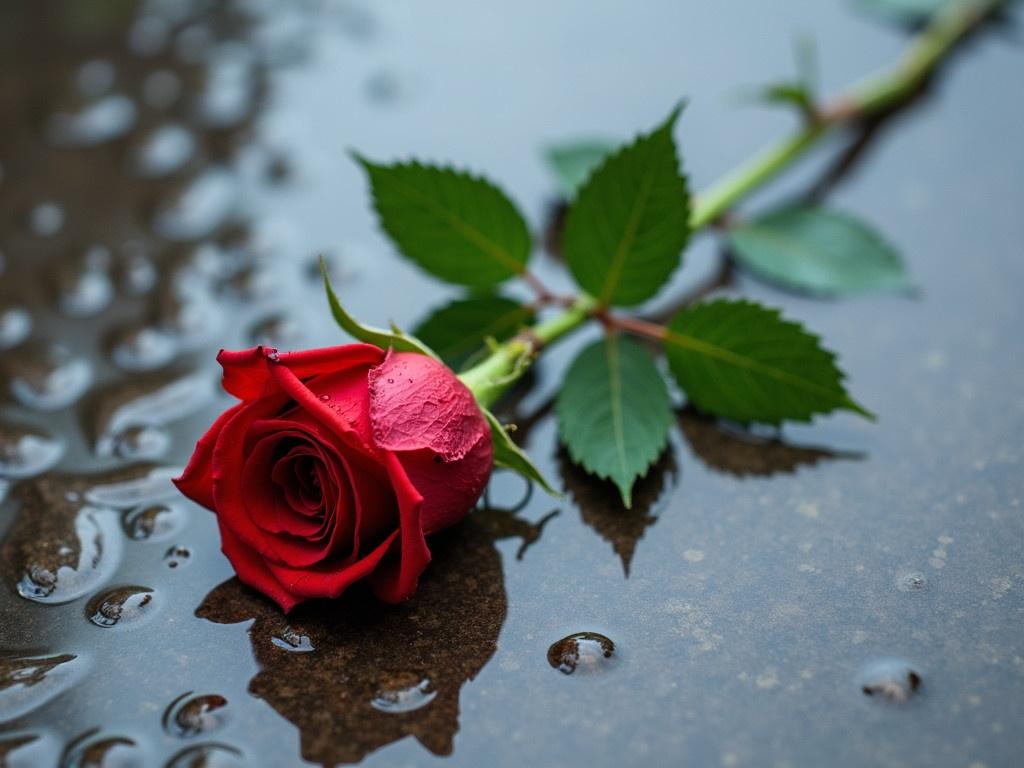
(871, 97)
(510, 360)
(489, 379)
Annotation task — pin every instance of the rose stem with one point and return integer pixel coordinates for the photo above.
(491, 377)
(872, 96)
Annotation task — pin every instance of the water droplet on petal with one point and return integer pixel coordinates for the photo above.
(120, 606)
(403, 692)
(581, 652)
(190, 715)
(888, 678)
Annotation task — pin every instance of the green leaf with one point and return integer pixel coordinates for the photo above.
(614, 412)
(905, 10)
(820, 251)
(625, 233)
(742, 361)
(459, 329)
(458, 227)
(510, 456)
(384, 339)
(573, 163)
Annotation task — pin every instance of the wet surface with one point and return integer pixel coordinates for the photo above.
(841, 593)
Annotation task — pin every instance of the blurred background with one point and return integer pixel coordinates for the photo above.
(170, 172)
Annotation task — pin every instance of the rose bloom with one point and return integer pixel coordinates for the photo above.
(335, 466)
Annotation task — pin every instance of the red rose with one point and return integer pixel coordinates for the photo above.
(335, 466)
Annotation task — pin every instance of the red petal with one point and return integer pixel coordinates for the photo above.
(449, 489)
(196, 481)
(417, 403)
(252, 570)
(247, 372)
(328, 579)
(397, 579)
(323, 415)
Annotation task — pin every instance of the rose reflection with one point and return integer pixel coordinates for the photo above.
(354, 675)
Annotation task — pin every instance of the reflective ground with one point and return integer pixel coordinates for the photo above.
(842, 594)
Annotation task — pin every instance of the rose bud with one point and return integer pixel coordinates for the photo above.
(335, 466)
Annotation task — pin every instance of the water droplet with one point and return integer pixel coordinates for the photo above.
(142, 348)
(93, 750)
(47, 377)
(25, 749)
(46, 219)
(200, 207)
(403, 692)
(137, 272)
(161, 89)
(98, 122)
(28, 682)
(68, 568)
(142, 443)
(15, 326)
(228, 94)
(190, 715)
(292, 640)
(84, 287)
(582, 651)
(131, 419)
(95, 78)
(153, 487)
(193, 43)
(911, 581)
(120, 606)
(148, 35)
(892, 679)
(177, 556)
(207, 756)
(27, 452)
(164, 150)
(152, 522)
